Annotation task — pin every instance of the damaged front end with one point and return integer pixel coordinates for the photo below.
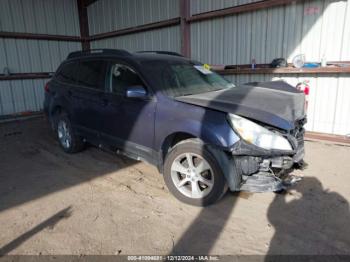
(260, 174)
(268, 119)
(267, 170)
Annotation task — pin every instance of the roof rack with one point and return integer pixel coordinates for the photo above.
(118, 52)
(162, 53)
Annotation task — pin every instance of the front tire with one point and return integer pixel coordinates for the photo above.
(69, 141)
(193, 175)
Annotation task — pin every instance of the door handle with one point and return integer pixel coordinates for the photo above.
(105, 101)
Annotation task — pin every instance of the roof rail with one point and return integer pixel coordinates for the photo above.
(118, 52)
(162, 53)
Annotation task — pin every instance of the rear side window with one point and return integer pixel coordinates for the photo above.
(91, 74)
(67, 73)
(123, 77)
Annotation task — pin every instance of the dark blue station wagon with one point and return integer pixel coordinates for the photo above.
(204, 134)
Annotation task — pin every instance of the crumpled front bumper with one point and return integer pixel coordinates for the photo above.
(260, 170)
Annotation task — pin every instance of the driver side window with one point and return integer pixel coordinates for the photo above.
(123, 77)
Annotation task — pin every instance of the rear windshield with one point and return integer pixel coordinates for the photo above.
(184, 79)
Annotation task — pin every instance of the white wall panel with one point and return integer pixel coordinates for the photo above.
(315, 28)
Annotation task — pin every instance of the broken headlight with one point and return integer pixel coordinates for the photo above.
(258, 135)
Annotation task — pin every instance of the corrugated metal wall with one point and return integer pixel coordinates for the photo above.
(25, 56)
(40, 16)
(161, 39)
(111, 15)
(315, 28)
(21, 96)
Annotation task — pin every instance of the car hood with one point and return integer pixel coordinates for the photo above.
(274, 103)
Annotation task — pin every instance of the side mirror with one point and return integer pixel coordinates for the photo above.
(136, 92)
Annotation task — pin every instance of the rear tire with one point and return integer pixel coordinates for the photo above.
(69, 141)
(193, 175)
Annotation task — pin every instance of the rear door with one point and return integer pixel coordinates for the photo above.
(63, 87)
(64, 82)
(128, 123)
(88, 97)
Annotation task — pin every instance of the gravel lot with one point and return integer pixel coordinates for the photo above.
(98, 203)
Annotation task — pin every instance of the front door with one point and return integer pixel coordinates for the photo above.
(128, 123)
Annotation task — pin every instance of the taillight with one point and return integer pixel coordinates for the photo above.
(46, 88)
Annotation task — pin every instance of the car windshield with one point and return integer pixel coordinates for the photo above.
(188, 79)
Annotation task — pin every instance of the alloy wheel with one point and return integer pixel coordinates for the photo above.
(192, 175)
(64, 134)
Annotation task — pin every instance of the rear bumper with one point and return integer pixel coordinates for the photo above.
(46, 104)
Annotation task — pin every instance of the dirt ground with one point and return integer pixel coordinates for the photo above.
(98, 203)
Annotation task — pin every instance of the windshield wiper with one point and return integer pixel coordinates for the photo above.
(187, 94)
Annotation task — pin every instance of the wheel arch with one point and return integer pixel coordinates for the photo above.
(217, 149)
(206, 134)
(54, 111)
(171, 140)
(176, 137)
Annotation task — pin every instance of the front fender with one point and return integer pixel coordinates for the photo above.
(209, 125)
(211, 134)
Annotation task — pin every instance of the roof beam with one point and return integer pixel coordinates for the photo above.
(22, 76)
(185, 28)
(83, 24)
(240, 9)
(17, 35)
